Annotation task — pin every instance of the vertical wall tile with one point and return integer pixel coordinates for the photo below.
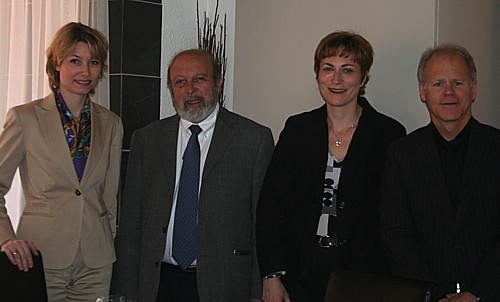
(115, 11)
(140, 104)
(134, 66)
(141, 44)
(115, 93)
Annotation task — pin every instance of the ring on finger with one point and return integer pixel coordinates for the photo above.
(14, 253)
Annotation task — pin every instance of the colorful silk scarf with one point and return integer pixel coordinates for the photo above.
(77, 133)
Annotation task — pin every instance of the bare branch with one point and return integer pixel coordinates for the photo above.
(207, 39)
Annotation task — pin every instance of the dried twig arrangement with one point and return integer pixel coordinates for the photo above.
(207, 39)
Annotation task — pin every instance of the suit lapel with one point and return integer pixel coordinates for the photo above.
(167, 144)
(434, 172)
(99, 131)
(51, 127)
(473, 169)
(222, 136)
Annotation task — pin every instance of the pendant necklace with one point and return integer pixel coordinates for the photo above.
(338, 138)
(338, 141)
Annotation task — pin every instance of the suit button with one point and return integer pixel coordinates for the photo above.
(164, 230)
(342, 205)
(157, 264)
(78, 193)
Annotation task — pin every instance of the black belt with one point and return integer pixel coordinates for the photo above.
(178, 269)
(328, 242)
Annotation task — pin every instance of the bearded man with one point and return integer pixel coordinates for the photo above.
(168, 248)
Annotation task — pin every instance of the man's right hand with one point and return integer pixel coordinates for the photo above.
(20, 253)
(274, 291)
(461, 297)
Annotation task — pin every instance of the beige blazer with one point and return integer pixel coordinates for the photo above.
(61, 214)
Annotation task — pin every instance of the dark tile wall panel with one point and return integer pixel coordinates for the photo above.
(135, 50)
(140, 105)
(115, 11)
(141, 38)
(140, 102)
(115, 93)
(134, 66)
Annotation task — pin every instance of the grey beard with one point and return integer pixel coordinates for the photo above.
(196, 115)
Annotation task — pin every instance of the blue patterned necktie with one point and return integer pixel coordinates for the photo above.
(186, 211)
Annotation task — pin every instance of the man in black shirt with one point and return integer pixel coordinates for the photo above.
(440, 205)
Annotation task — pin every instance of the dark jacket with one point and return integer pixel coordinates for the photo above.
(426, 238)
(291, 197)
(227, 268)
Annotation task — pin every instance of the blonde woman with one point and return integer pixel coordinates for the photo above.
(68, 152)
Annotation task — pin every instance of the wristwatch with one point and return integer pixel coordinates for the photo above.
(275, 275)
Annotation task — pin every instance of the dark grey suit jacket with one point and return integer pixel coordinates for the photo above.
(425, 240)
(227, 268)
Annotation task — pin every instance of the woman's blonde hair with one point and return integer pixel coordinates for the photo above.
(65, 41)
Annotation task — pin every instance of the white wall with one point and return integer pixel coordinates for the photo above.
(275, 43)
(476, 25)
(180, 32)
(271, 45)
(276, 40)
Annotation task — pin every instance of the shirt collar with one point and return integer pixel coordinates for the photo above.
(460, 140)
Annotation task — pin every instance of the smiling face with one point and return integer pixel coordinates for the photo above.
(193, 87)
(339, 81)
(447, 91)
(79, 73)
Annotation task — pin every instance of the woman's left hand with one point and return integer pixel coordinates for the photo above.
(20, 253)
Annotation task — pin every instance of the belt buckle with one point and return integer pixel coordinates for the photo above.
(191, 269)
(327, 242)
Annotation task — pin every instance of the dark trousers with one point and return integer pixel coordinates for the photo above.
(177, 285)
(310, 284)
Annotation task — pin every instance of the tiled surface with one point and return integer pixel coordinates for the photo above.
(141, 47)
(134, 65)
(135, 49)
(115, 94)
(140, 102)
(135, 37)
(115, 11)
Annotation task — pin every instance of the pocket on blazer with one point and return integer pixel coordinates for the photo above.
(37, 208)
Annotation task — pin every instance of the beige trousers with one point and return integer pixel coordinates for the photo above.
(78, 282)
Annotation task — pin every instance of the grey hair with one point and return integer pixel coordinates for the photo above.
(446, 49)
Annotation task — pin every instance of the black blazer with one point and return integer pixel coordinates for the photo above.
(424, 236)
(291, 197)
